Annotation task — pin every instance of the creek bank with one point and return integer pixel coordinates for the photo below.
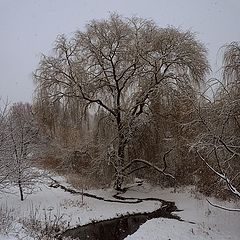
(120, 227)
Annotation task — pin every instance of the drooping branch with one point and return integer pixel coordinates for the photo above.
(222, 175)
(136, 169)
(148, 164)
(224, 208)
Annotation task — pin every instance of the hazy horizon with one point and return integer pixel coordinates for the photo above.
(29, 28)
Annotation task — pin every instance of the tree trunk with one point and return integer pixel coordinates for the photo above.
(20, 189)
(120, 163)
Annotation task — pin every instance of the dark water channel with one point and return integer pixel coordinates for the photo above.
(120, 227)
(117, 228)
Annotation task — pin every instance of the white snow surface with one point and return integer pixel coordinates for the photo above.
(210, 222)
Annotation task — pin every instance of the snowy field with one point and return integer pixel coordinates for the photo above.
(210, 222)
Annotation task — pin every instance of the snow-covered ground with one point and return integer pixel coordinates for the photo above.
(210, 223)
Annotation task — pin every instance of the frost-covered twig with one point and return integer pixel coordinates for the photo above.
(224, 208)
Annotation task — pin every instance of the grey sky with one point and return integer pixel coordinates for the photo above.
(29, 28)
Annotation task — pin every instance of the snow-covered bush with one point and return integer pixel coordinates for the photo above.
(7, 219)
(44, 225)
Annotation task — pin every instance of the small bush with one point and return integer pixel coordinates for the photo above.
(44, 225)
(6, 219)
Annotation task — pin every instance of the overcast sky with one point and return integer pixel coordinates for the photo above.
(29, 28)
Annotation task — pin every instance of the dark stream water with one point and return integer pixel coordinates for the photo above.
(120, 227)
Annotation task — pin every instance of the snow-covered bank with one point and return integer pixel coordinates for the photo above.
(210, 222)
(57, 201)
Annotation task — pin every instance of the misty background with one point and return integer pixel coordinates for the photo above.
(29, 28)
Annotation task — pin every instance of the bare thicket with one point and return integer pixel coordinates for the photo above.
(218, 143)
(114, 71)
(4, 166)
(167, 134)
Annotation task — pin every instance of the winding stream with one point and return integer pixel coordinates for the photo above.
(120, 227)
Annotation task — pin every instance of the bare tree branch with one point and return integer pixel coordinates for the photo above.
(224, 208)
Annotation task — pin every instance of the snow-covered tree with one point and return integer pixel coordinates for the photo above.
(4, 170)
(218, 144)
(117, 67)
(21, 143)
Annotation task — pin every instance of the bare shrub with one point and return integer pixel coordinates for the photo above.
(49, 162)
(44, 225)
(7, 219)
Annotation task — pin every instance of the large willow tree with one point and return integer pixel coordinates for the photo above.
(117, 66)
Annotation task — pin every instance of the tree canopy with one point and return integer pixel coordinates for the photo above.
(118, 66)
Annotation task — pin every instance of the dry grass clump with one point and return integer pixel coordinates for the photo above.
(7, 219)
(44, 225)
(85, 181)
(49, 162)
